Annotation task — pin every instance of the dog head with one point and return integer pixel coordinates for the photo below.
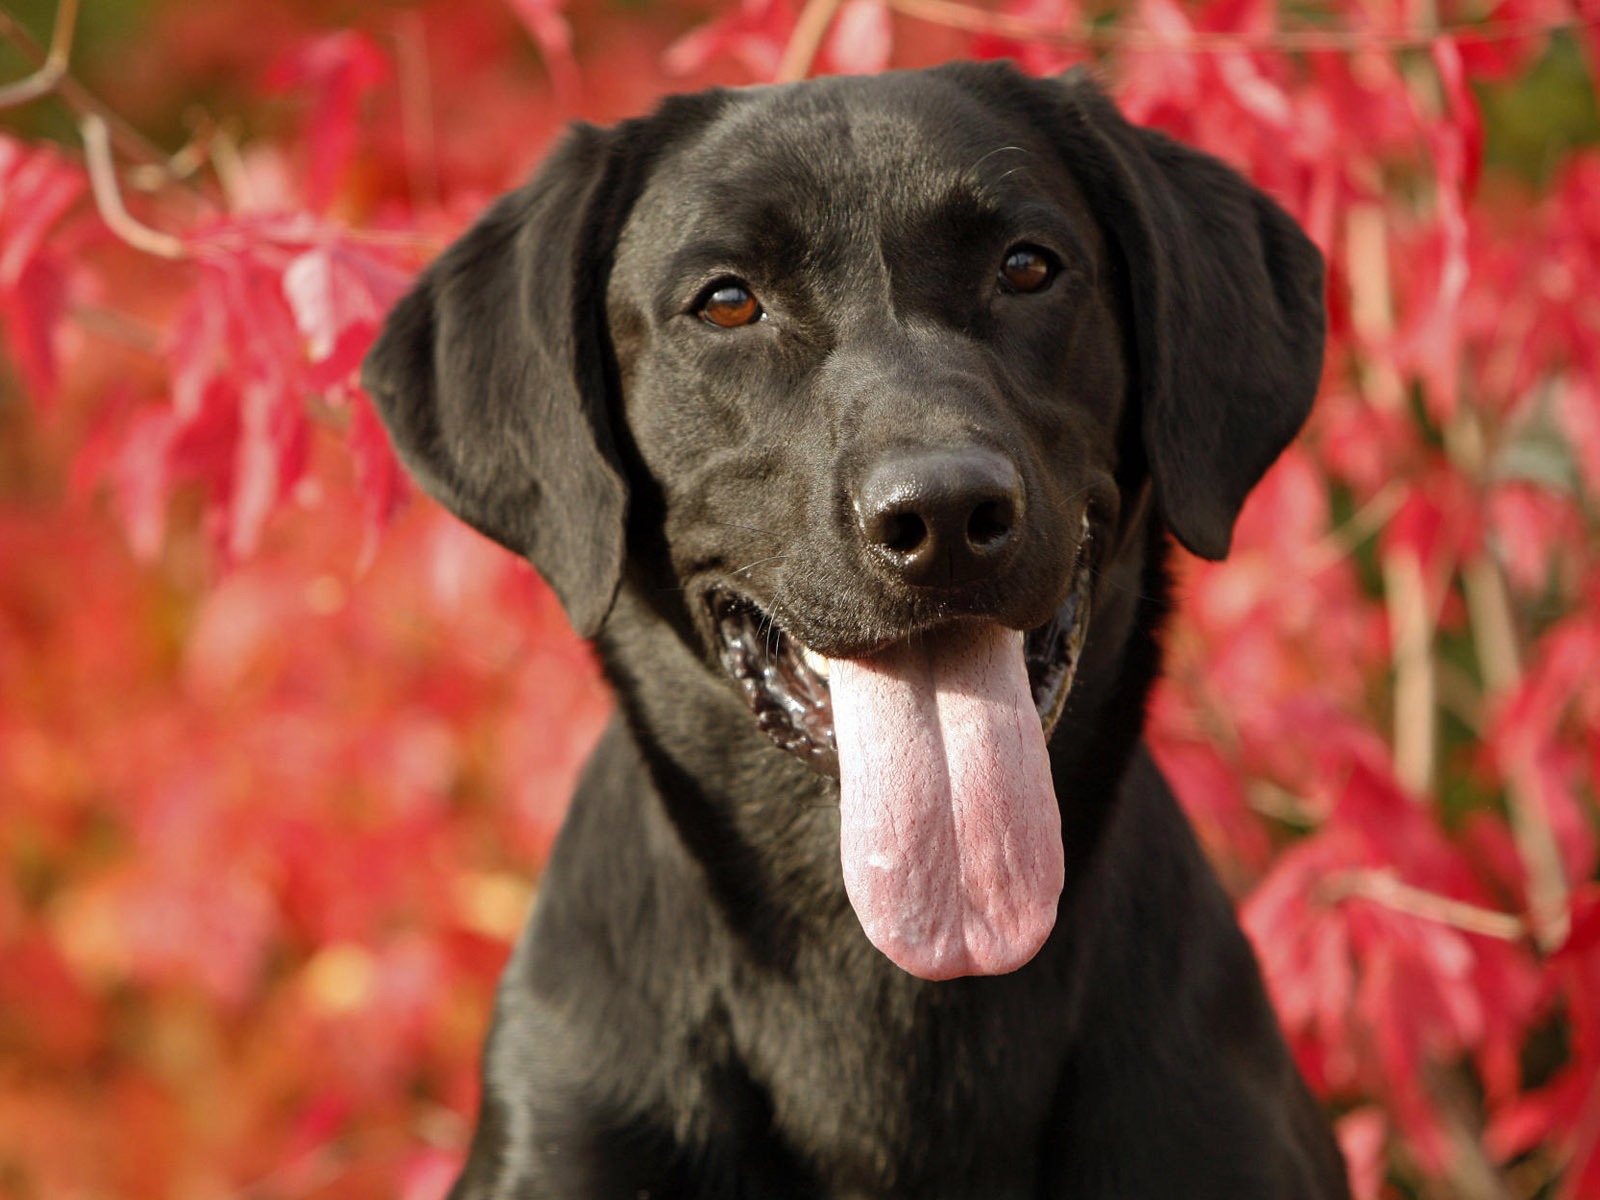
(890, 360)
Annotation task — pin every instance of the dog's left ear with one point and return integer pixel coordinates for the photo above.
(1226, 297)
(492, 374)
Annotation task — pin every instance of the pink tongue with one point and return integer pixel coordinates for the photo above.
(950, 834)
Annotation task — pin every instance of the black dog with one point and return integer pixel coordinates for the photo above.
(833, 412)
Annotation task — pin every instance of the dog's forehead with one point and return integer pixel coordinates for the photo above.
(859, 154)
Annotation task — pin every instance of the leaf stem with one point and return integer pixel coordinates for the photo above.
(1415, 704)
(806, 40)
(1494, 638)
(1386, 888)
(57, 80)
(108, 197)
(955, 15)
(53, 68)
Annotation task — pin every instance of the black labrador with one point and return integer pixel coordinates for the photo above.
(849, 418)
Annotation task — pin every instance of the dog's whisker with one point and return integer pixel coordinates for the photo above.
(997, 150)
(760, 562)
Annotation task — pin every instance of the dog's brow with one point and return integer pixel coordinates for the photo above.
(694, 265)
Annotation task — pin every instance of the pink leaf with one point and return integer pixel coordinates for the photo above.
(378, 474)
(1363, 1135)
(1035, 55)
(755, 33)
(861, 38)
(338, 296)
(37, 187)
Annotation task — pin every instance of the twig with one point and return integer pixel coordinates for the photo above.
(1386, 888)
(1280, 804)
(1372, 302)
(1541, 857)
(1494, 638)
(128, 140)
(108, 199)
(118, 327)
(956, 15)
(1338, 544)
(416, 111)
(1470, 1172)
(53, 69)
(1415, 715)
(806, 40)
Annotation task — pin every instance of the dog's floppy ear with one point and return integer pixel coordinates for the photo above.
(492, 375)
(1227, 307)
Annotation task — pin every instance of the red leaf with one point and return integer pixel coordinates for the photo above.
(755, 33)
(336, 71)
(1363, 1135)
(1035, 55)
(551, 33)
(37, 188)
(338, 296)
(378, 474)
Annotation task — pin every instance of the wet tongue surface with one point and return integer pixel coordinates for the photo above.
(950, 833)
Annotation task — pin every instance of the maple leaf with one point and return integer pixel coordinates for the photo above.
(553, 35)
(336, 71)
(755, 32)
(1035, 56)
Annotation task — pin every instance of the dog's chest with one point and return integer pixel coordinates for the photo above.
(889, 1089)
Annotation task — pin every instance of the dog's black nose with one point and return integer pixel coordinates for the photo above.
(941, 518)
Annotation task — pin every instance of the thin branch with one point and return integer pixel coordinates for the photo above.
(1338, 544)
(1415, 705)
(1372, 303)
(1386, 888)
(53, 69)
(955, 15)
(108, 198)
(118, 327)
(417, 132)
(1280, 804)
(806, 40)
(128, 140)
(1494, 638)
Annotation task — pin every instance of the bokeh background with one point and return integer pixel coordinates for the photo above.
(282, 748)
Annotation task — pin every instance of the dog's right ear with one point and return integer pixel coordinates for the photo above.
(492, 374)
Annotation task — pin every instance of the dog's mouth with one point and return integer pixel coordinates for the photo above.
(949, 826)
(786, 683)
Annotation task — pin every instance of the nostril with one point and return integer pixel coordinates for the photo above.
(990, 524)
(940, 517)
(902, 532)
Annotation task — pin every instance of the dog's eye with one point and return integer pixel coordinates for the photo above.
(730, 306)
(1027, 269)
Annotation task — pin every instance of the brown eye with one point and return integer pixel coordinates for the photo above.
(730, 306)
(1027, 269)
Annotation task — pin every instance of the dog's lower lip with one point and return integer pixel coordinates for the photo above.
(786, 682)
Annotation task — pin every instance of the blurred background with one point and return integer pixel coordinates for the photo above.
(282, 747)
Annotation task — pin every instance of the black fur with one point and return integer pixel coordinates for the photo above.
(694, 1010)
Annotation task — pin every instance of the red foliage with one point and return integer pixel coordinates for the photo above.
(282, 752)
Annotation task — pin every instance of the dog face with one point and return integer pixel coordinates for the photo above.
(886, 360)
(896, 370)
